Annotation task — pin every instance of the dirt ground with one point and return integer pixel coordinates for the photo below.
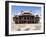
(25, 27)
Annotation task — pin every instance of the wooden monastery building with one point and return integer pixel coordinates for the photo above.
(26, 17)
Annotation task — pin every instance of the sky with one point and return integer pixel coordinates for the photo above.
(17, 9)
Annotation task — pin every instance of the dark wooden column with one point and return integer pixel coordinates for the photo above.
(34, 19)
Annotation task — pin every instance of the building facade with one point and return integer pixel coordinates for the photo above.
(26, 18)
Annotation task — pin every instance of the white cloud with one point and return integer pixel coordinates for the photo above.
(37, 14)
(19, 13)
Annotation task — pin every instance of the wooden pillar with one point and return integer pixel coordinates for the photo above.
(18, 21)
(34, 19)
(26, 20)
(31, 19)
(23, 19)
